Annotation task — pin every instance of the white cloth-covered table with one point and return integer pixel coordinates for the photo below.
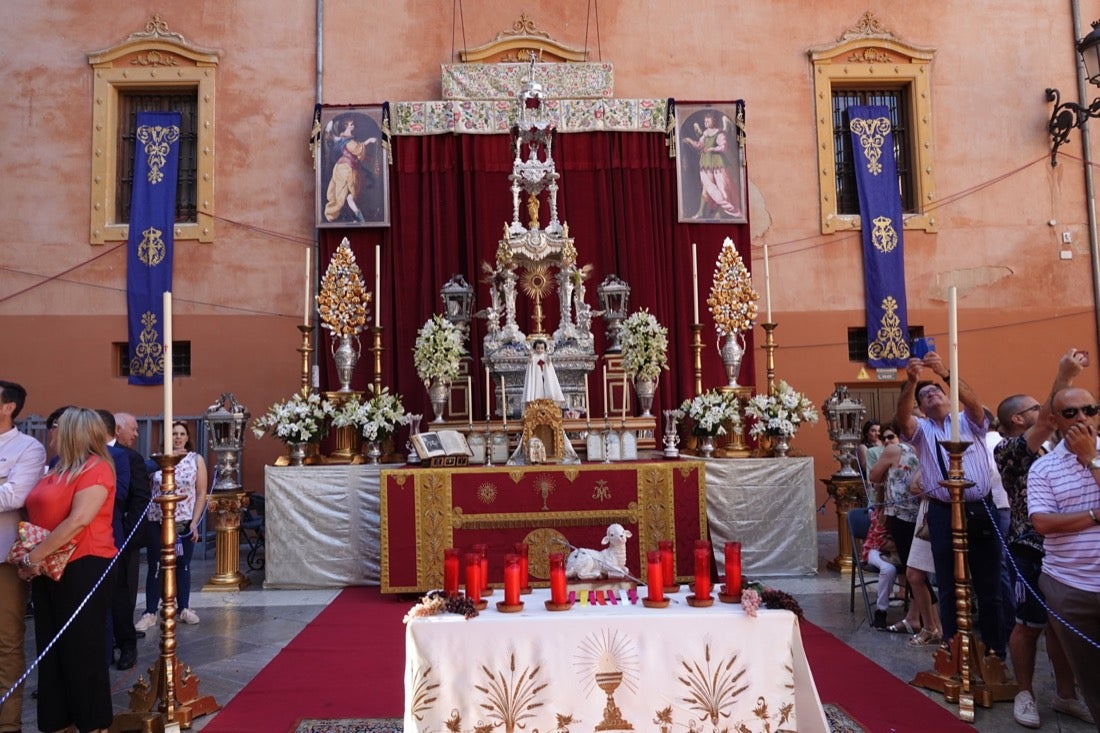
(321, 527)
(622, 663)
(766, 504)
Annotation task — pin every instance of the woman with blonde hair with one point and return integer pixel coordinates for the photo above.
(74, 501)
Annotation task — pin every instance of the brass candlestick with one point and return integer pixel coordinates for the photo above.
(171, 682)
(376, 349)
(769, 347)
(697, 348)
(305, 350)
(964, 671)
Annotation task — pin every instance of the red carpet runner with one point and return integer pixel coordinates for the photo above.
(349, 663)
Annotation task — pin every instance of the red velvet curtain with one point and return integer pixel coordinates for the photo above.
(450, 200)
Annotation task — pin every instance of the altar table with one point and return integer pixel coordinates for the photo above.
(673, 669)
(549, 507)
(768, 505)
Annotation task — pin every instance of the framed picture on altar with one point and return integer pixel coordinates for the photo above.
(353, 184)
(710, 148)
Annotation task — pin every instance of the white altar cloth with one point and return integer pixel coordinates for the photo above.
(681, 668)
(766, 504)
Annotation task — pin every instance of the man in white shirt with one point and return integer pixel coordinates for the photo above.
(1063, 501)
(22, 459)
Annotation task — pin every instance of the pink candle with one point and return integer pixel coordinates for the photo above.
(668, 570)
(473, 576)
(557, 578)
(524, 554)
(511, 579)
(702, 573)
(733, 568)
(655, 588)
(450, 571)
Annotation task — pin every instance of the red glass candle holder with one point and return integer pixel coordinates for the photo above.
(655, 589)
(483, 550)
(511, 602)
(450, 571)
(702, 595)
(524, 567)
(731, 593)
(559, 595)
(473, 577)
(668, 566)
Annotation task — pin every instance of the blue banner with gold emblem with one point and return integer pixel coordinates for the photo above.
(880, 218)
(149, 250)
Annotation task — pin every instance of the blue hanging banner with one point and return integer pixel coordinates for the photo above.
(149, 249)
(880, 216)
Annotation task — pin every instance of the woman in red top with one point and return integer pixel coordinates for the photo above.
(74, 501)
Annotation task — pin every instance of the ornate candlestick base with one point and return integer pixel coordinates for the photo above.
(224, 509)
(305, 350)
(697, 355)
(846, 494)
(964, 672)
(769, 347)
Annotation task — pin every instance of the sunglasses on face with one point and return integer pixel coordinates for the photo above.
(1026, 410)
(889, 436)
(1071, 412)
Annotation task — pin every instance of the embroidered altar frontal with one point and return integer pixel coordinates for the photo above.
(424, 511)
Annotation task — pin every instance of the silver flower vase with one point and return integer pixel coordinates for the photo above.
(297, 453)
(373, 452)
(781, 446)
(706, 446)
(671, 437)
(645, 387)
(346, 356)
(732, 351)
(437, 394)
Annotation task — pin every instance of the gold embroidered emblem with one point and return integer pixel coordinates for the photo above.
(544, 486)
(611, 658)
(884, 236)
(487, 493)
(889, 341)
(601, 492)
(148, 357)
(872, 135)
(151, 250)
(158, 143)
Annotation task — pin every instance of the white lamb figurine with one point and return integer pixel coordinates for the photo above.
(586, 564)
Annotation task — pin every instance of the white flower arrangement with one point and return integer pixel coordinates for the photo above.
(438, 350)
(376, 419)
(300, 419)
(711, 410)
(780, 414)
(644, 345)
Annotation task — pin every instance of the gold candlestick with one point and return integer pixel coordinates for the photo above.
(697, 348)
(964, 671)
(376, 349)
(769, 347)
(305, 350)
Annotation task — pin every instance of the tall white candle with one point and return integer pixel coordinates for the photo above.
(469, 398)
(167, 331)
(606, 395)
(587, 403)
(694, 283)
(503, 404)
(309, 288)
(767, 288)
(953, 364)
(377, 284)
(488, 396)
(624, 397)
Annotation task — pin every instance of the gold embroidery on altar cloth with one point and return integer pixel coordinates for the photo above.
(872, 135)
(158, 143)
(884, 236)
(151, 249)
(423, 691)
(148, 358)
(487, 492)
(433, 526)
(544, 487)
(889, 342)
(601, 492)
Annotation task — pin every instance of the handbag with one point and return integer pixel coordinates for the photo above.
(29, 536)
(922, 532)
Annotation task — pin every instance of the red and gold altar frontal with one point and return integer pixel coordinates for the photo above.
(424, 511)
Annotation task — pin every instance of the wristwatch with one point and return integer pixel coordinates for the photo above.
(1094, 463)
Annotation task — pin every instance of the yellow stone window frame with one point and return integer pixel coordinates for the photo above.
(153, 60)
(870, 56)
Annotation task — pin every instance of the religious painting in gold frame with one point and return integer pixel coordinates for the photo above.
(353, 187)
(711, 183)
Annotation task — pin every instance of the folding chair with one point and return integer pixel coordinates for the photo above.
(859, 524)
(252, 530)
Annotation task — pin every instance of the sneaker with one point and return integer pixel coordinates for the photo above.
(1073, 706)
(1024, 710)
(146, 622)
(188, 616)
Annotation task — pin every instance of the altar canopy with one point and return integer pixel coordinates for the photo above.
(610, 667)
(450, 199)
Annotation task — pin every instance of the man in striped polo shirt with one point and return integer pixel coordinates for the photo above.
(1063, 502)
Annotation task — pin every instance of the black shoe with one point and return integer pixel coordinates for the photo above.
(127, 659)
(139, 634)
(880, 619)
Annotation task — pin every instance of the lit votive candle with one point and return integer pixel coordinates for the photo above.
(483, 552)
(473, 576)
(655, 585)
(524, 554)
(511, 579)
(702, 573)
(450, 571)
(733, 568)
(668, 570)
(558, 586)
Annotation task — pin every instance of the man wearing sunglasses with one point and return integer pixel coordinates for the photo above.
(1027, 426)
(1063, 498)
(925, 434)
